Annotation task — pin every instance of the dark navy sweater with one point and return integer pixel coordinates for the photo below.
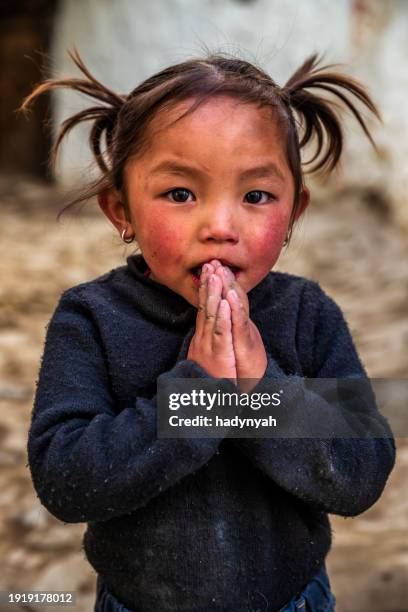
(193, 524)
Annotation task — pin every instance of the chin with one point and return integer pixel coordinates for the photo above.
(191, 299)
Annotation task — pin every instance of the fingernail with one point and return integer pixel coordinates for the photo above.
(234, 294)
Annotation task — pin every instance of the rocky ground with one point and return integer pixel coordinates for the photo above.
(350, 247)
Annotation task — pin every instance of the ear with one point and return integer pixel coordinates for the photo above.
(111, 204)
(304, 201)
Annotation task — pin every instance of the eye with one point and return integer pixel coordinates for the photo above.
(254, 197)
(179, 194)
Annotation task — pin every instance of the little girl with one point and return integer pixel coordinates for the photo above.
(200, 164)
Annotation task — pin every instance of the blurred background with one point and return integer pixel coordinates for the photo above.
(353, 239)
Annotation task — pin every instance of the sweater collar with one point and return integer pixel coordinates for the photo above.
(162, 305)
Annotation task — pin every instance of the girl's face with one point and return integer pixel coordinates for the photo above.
(215, 185)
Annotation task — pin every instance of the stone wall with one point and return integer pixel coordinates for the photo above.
(126, 41)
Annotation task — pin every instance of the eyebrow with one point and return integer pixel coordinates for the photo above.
(265, 171)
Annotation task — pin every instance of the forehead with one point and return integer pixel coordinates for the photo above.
(219, 123)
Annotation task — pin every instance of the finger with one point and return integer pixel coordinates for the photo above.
(206, 270)
(227, 277)
(223, 324)
(222, 344)
(239, 316)
(214, 288)
(230, 282)
(202, 297)
(216, 264)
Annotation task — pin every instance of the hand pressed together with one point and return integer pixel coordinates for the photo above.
(226, 343)
(212, 345)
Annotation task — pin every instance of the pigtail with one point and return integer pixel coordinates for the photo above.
(317, 115)
(104, 116)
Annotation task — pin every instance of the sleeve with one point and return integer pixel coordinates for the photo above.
(339, 475)
(88, 462)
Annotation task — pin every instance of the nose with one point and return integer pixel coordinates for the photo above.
(219, 224)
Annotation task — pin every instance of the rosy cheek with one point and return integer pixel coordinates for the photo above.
(267, 245)
(161, 241)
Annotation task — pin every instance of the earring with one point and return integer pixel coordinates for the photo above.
(123, 234)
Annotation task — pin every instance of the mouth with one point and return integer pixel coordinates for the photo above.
(196, 270)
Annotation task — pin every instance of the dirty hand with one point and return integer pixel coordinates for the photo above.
(250, 355)
(212, 346)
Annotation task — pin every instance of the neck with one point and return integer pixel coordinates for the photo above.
(165, 307)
